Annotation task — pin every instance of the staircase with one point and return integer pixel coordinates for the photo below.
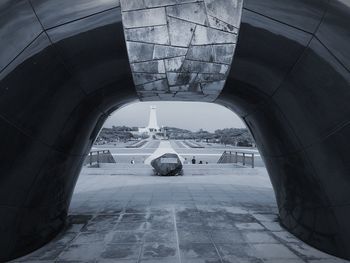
(95, 158)
(237, 157)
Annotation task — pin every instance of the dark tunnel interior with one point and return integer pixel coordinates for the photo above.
(64, 68)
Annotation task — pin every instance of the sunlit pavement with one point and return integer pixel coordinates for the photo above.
(211, 216)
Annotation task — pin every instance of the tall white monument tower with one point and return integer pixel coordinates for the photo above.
(153, 124)
(152, 130)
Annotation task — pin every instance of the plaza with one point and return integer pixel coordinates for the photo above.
(214, 213)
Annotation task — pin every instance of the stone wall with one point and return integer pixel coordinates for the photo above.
(180, 49)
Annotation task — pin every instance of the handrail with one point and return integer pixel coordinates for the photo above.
(236, 156)
(95, 157)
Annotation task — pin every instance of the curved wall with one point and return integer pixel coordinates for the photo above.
(64, 68)
(292, 88)
(59, 80)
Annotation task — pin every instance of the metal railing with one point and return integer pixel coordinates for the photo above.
(96, 157)
(237, 157)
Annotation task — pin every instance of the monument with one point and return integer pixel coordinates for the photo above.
(152, 130)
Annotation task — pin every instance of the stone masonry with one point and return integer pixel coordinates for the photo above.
(180, 49)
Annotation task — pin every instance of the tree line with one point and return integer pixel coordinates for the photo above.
(229, 136)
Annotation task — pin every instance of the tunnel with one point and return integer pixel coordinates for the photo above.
(282, 66)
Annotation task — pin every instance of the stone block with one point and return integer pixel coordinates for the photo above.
(179, 88)
(223, 53)
(161, 52)
(144, 18)
(154, 66)
(181, 32)
(204, 67)
(158, 3)
(210, 77)
(128, 5)
(208, 36)
(176, 79)
(143, 78)
(218, 24)
(174, 64)
(228, 11)
(201, 53)
(191, 12)
(194, 87)
(153, 34)
(158, 85)
(139, 51)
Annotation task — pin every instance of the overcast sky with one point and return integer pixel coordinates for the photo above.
(187, 115)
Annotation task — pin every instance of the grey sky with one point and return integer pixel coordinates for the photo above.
(186, 115)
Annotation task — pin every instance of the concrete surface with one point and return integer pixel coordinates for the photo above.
(227, 216)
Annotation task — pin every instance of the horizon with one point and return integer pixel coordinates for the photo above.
(176, 128)
(191, 116)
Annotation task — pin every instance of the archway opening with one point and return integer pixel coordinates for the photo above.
(289, 80)
(221, 209)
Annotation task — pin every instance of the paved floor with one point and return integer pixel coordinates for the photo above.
(213, 218)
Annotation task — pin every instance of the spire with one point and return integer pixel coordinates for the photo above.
(153, 124)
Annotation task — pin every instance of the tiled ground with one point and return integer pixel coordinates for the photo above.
(131, 219)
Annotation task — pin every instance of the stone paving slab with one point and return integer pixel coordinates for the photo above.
(113, 220)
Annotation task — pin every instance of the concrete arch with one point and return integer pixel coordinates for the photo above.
(64, 67)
